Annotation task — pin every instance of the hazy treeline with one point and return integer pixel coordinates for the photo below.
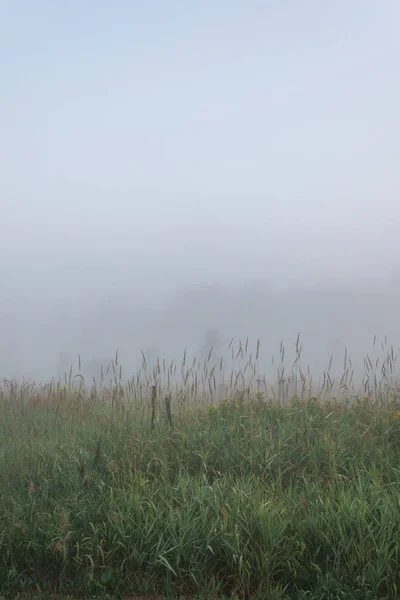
(44, 330)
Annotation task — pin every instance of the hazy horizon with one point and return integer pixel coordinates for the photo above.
(168, 170)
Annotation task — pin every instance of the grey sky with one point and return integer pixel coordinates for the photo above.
(158, 144)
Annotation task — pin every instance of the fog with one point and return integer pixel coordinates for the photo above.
(176, 175)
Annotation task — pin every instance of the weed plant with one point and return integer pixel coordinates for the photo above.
(171, 492)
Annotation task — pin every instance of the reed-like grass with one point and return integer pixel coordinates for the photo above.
(159, 488)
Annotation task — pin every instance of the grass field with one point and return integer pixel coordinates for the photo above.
(135, 491)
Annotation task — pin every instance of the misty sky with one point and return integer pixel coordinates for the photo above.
(149, 146)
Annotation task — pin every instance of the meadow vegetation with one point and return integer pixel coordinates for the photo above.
(201, 486)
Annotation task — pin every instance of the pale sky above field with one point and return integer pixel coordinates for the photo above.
(154, 145)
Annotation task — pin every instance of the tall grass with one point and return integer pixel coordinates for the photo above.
(187, 482)
(237, 372)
